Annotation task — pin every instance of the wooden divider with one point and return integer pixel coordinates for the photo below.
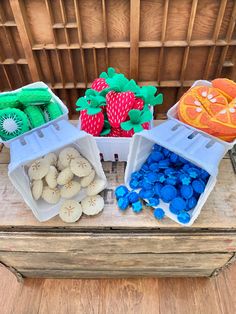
(67, 43)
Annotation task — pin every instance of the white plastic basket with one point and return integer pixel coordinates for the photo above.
(173, 114)
(64, 115)
(39, 143)
(182, 140)
(114, 148)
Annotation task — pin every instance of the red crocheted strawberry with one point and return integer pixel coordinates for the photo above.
(99, 84)
(92, 118)
(118, 106)
(138, 104)
(115, 132)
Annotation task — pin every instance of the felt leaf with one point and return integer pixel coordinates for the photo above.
(90, 92)
(146, 116)
(92, 110)
(135, 115)
(105, 132)
(106, 128)
(127, 125)
(137, 128)
(103, 75)
(131, 86)
(82, 102)
(111, 72)
(100, 99)
(158, 100)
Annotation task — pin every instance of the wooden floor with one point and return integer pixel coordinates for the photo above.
(146, 296)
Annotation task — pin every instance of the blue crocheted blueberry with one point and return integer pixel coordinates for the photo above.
(157, 188)
(183, 160)
(133, 197)
(193, 172)
(184, 179)
(198, 186)
(171, 181)
(192, 202)
(166, 152)
(168, 192)
(154, 167)
(163, 164)
(146, 185)
(147, 193)
(151, 177)
(144, 168)
(204, 175)
(134, 184)
(186, 191)
(156, 156)
(159, 213)
(174, 158)
(153, 202)
(136, 175)
(157, 147)
(123, 203)
(121, 191)
(183, 217)
(177, 204)
(161, 177)
(137, 207)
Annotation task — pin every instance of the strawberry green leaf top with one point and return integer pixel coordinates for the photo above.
(147, 93)
(106, 128)
(92, 104)
(137, 118)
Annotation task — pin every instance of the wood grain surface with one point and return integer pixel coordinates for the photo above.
(140, 296)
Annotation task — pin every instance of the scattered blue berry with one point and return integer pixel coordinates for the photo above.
(163, 164)
(146, 185)
(156, 156)
(192, 202)
(152, 177)
(137, 207)
(147, 193)
(159, 213)
(134, 184)
(184, 179)
(174, 158)
(123, 203)
(166, 152)
(133, 197)
(177, 204)
(157, 147)
(121, 191)
(154, 167)
(157, 188)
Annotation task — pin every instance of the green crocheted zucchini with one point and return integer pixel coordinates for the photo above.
(35, 116)
(34, 96)
(9, 100)
(52, 111)
(13, 122)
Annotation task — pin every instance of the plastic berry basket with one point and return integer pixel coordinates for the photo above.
(114, 148)
(51, 138)
(173, 114)
(182, 140)
(64, 115)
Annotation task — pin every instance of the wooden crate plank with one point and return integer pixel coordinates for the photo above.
(95, 243)
(134, 37)
(62, 273)
(73, 260)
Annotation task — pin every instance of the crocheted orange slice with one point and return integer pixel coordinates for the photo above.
(226, 87)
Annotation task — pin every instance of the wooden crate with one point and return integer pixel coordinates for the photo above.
(67, 43)
(115, 243)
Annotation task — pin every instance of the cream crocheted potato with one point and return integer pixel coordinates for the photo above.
(37, 189)
(80, 167)
(95, 187)
(51, 177)
(70, 211)
(38, 169)
(85, 181)
(67, 155)
(65, 176)
(51, 196)
(51, 158)
(92, 205)
(70, 189)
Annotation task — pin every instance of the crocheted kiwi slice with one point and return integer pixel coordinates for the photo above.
(52, 111)
(35, 116)
(9, 100)
(13, 122)
(34, 96)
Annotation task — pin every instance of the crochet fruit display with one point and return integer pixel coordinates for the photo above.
(116, 106)
(26, 109)
(211, 109)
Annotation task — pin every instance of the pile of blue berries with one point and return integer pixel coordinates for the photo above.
(165, 177)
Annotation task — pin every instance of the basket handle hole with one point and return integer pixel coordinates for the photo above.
(101, 157)
(175, 127)
(23, 142)
(40, 133)
(210, 144)
(192, 135)
(116, 157)
(56, 126)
